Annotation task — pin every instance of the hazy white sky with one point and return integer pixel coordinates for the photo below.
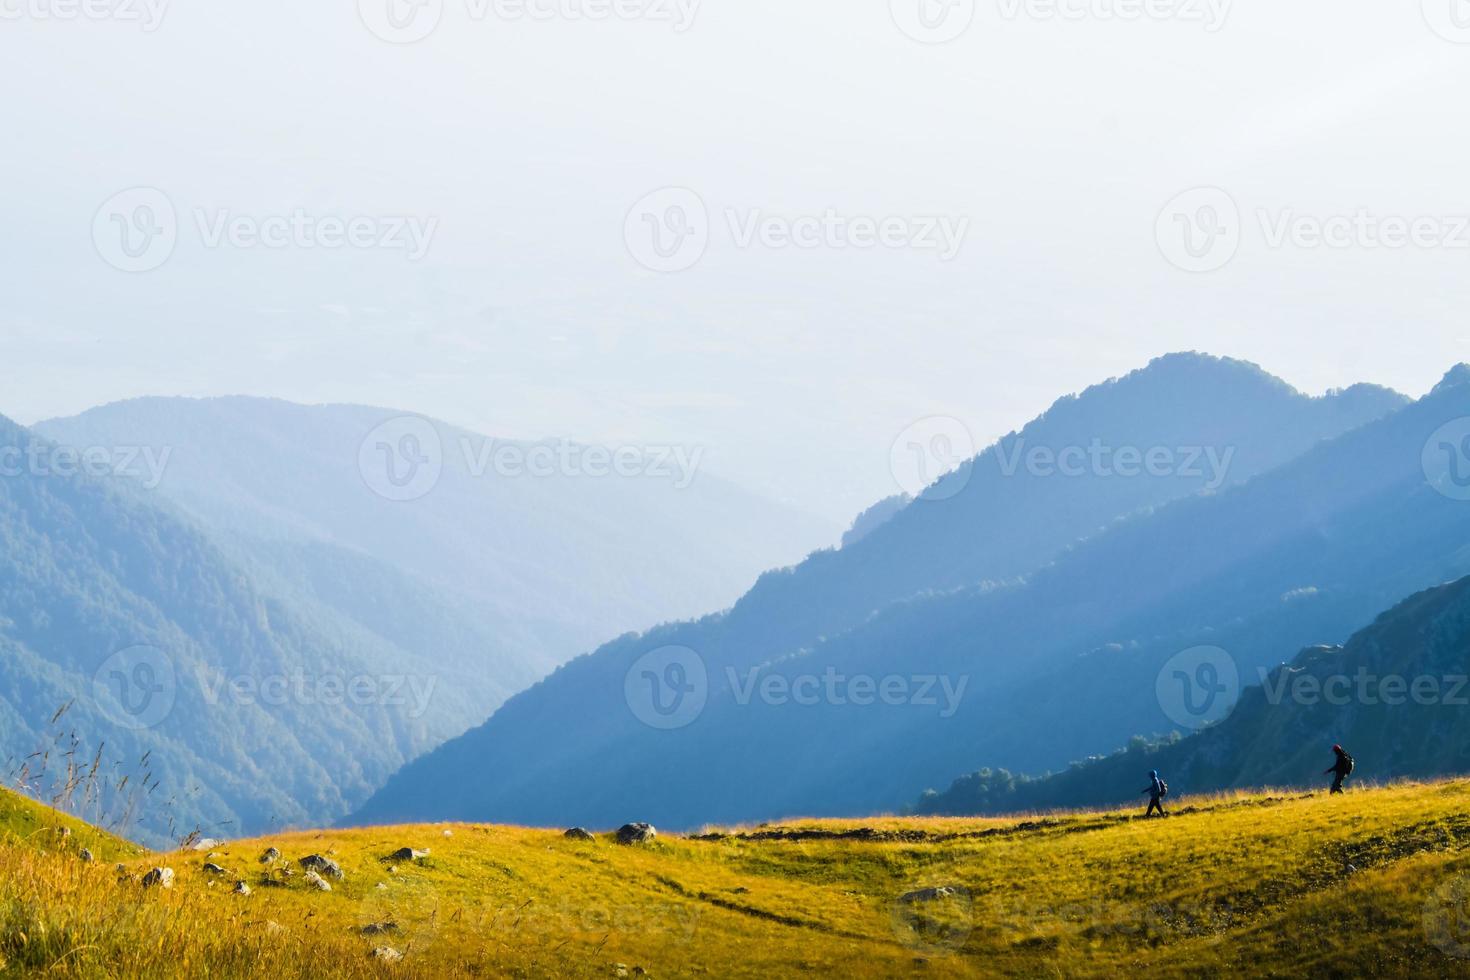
(517, 147)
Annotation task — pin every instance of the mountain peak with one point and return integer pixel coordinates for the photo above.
(1455, 377)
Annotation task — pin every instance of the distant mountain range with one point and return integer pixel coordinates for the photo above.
(277, 630)
(1015, 614)
(1396, 695)
(543, 545)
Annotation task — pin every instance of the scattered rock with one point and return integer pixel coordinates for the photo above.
(63, 832)
(86, 856)
(270, 855)
(322, 866)
(620, 969)
(314, 880)
(381, 887)
(241, 888)
(274, 928)
(408, 854)
(636, 833)
(213, 869)
(205, 844)
(160, 878)
(448, 833)
(387, 954)
(579, 833)
(931, 894)
(379, 928)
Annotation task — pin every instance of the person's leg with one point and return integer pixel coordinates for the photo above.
(1337, 784)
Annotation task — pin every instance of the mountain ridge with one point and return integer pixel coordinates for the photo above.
(581, 750)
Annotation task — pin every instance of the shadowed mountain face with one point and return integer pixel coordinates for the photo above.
(535, 551)
(841, 685)
(289, 633)
(1396, 695)
(242, 700)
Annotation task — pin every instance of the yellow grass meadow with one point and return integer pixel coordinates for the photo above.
(1374, 882)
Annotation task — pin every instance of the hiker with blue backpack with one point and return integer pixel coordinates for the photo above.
(1340, 770)
(1157, 789)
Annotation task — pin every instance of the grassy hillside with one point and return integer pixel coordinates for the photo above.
(28, 825)
(1375, 882)
(1281, 731)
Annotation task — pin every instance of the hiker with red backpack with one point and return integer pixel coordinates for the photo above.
(1157, 789)
(1341, 769)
